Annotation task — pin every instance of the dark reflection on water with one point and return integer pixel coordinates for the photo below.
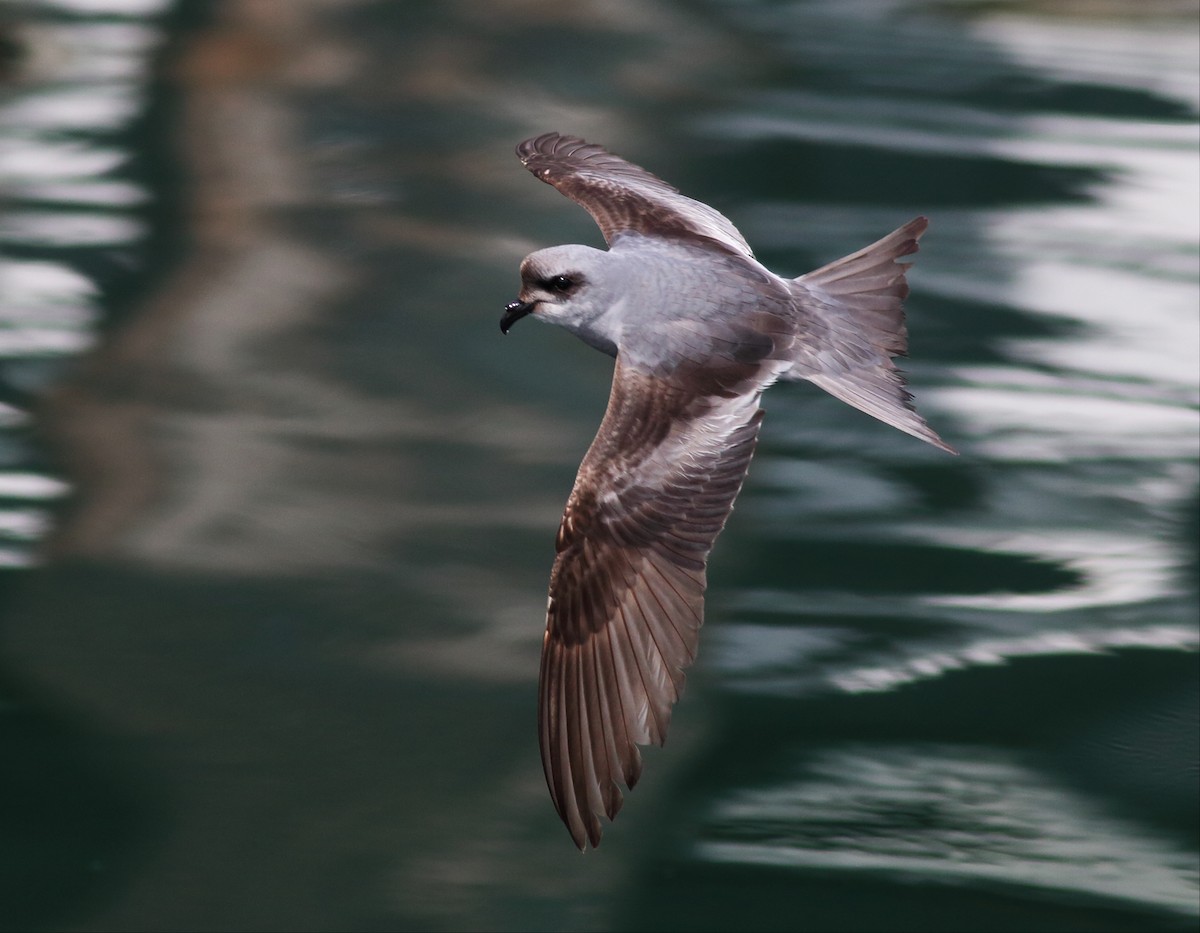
(273, 665)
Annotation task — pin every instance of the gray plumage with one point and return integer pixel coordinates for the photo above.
(699, 329)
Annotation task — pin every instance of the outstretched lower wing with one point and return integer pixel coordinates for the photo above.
(627, 589)
(623, 197)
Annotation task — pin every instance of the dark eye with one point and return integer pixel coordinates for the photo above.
(560, 283)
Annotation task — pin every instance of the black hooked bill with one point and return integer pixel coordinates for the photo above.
(513, 312)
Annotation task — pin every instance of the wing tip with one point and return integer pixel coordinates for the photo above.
(931, 436)
(550, 144)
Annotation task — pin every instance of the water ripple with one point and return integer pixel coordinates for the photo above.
(947, 813)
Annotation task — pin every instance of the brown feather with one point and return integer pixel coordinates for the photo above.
(623, 197)
(627, 590)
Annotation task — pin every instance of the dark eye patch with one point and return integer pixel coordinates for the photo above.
(560, 284)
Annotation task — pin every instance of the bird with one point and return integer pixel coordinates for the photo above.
(699, 329)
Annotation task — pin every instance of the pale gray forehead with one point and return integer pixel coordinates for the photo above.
(556, 260)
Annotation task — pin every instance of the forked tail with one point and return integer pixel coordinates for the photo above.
(854, 326)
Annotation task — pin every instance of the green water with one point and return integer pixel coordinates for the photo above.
(277, 501)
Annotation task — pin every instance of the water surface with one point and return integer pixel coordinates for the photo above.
(277, 501)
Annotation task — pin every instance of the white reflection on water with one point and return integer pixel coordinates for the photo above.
(28, 524)
(108, 7)
(947, 813)
(939, 128)
(72, 107)
(70, 198)
(70, 229)
(1088, 437)
(1019, 419)
(993, 651)
(39, 159)
(61, 52)
(40, 284)
(1103, 53)
(48, 309)
(1112, 569)
(1123, 265)
(31, 486)
(1121, 391)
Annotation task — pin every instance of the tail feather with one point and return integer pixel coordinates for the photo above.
(854, 325)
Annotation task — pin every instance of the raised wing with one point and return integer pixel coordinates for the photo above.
(627, 590)
(621, 196)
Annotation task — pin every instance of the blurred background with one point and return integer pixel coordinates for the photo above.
(278, 502)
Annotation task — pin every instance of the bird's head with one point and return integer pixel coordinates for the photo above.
(563, 285)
